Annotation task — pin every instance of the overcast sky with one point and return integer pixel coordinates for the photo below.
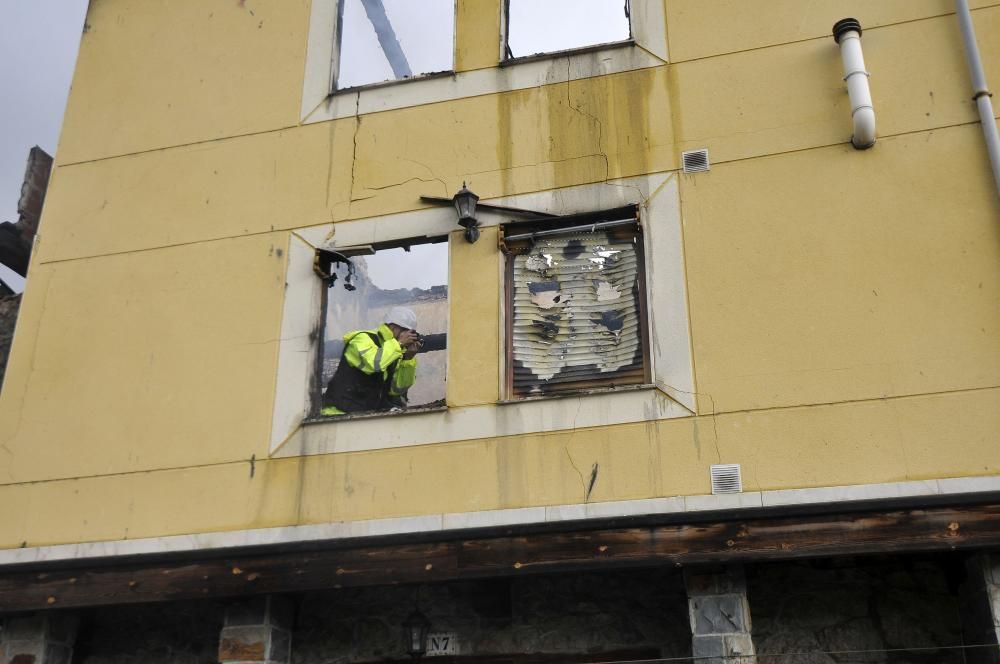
(38, 44)
(425, 30)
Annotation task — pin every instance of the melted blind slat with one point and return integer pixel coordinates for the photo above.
(576, 319)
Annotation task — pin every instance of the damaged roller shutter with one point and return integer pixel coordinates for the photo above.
(576, 318)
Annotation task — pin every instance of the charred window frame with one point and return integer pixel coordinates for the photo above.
(575, 305)
(510, 56)
(397, 48)
(335, 266)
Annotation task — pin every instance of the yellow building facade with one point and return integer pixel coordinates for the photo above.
(825, 317)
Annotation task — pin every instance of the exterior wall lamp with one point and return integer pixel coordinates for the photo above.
(416, 626)
(465, 203)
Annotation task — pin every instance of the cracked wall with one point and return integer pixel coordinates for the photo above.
(843, 310)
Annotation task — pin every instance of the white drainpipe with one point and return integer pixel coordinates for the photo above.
(847, 33)
(980, 91)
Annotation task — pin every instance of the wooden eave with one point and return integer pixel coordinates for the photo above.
(485, 554)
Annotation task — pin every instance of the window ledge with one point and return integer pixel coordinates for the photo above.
(579, 393)
(582, 50)
(385, 84)
(515, 74)
(418, 410)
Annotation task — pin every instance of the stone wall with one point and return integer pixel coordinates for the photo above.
(857, 604)
(808, 612)
(588, 613)
(979, 598)
(171, 633)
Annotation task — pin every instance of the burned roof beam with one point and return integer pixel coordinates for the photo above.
(438, 200)
(387, 38)
(499, 552)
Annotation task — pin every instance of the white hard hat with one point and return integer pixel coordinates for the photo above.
(403, 317)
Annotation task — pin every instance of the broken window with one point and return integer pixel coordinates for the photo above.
(385, 325)
(535, 27)
(392, 40)
(575, 304)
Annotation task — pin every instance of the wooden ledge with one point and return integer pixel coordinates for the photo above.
(937, 528)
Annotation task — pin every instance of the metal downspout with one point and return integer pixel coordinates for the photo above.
(981, 92)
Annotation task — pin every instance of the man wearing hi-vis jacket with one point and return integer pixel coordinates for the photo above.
(376, 368)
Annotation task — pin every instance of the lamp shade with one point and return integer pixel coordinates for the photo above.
(465, 204)
(415, 629)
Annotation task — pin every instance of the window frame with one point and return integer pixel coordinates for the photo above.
(337, 40)
(675, 394)
(647, 50)
(507, 60)
(316, 384)
(508, 394)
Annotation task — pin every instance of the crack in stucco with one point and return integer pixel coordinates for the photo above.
(583, 482)
(354, 166)
(406, 181)
(642, 197)
(600, 125)
(329, 161)
(715, 426)
(354, 154)
(712, 415)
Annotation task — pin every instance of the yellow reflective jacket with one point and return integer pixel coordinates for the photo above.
(362, 353)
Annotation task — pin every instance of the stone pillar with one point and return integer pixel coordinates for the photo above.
(42, 638)
(258, 629)
(979, 600)
(720, 615)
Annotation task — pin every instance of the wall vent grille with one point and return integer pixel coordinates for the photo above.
(726, 478)
(695, 161)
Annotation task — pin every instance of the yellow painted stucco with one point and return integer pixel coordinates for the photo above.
(158, 74)
(874, 441)
(701, 29)
(110, 361)
(475, 335)
(895, 294)
(844, 306)
(477, 27)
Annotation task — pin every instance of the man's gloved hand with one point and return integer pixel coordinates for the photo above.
(411, 342)
(407, 337)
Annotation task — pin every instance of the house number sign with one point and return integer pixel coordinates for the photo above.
(442, 643)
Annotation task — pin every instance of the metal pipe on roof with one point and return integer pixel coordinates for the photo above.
(387, 38)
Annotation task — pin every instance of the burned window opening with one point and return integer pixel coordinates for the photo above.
(581, 24)
(380, 41)
(383, 334)
(575, 304)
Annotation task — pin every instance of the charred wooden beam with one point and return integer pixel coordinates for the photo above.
(387, 38)
(56, 585)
